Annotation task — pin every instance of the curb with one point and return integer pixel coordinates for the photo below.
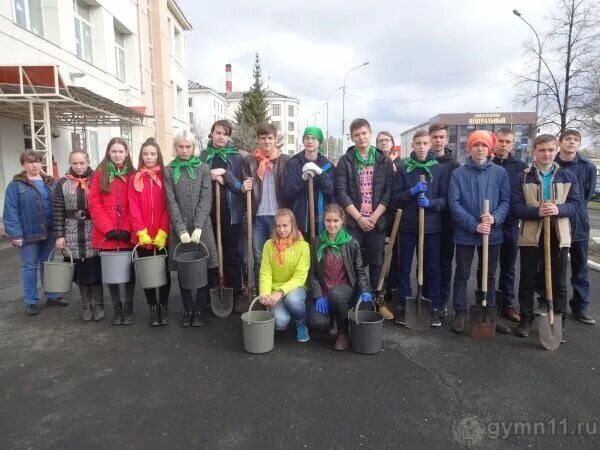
(593, 265)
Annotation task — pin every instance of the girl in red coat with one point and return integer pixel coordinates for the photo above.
(150, 220)
(108, 205)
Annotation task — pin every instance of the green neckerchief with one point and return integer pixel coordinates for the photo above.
(222, 153)
(412, 164)
(370, 158)
(342, 238)
(177, 164)
(113, 172)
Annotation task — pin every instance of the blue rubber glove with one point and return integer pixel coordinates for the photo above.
(366, 297)
(423, 202)
(321, 305)
(421, 186)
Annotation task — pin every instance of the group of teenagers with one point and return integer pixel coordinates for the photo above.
(315, 280)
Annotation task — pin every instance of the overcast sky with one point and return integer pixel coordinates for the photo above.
(426, 56)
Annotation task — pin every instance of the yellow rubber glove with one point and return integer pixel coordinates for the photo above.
(161, 239)
(144, 238)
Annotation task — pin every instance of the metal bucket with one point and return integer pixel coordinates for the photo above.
(258, 330)
(116, 266)
(192, 267)
(151, 271)
(366, 330)
(58, 275)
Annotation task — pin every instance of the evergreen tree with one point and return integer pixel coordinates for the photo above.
(252, 111)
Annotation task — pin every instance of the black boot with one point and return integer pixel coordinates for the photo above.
(163, 314)
(523, 328)
(564, 326)
(98, 297)
(128, 313)
(118, 316)
(87, 313)
(199, 317)
(187, 318)
(154, 316)
(501, 327)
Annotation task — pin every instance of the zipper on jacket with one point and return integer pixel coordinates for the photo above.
(151, 203)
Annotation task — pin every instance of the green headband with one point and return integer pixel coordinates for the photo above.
(316, 132)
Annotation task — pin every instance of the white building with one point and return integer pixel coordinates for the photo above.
(206, 107)
(76, 72)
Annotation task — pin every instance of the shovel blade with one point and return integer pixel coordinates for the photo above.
(418, 313)
(550, 335)
(482, 321)
(221, 301)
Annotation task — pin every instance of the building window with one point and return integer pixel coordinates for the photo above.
(276, 110)
(177, 44)
(120, 55)
(83, 30)
(291, 139)
(92, 147)
(190, 102)
(192, 118)
(276, 124)
(291, 110)
(291, 126)
(175, 108)
(28, 14)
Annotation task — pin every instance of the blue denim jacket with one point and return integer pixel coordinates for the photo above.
(24, 216)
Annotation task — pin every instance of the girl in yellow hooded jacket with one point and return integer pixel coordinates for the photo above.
(283, 272)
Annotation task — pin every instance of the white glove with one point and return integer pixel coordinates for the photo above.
(196, 236)
(185, 238)
(310, 168)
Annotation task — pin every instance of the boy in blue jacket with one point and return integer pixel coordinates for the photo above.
(478, 179)
(309, 163)
(405, 195)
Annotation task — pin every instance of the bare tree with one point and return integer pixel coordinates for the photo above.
(568, 52)
(591, 108)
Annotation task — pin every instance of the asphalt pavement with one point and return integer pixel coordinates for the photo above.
(69, 385)
(594, 218)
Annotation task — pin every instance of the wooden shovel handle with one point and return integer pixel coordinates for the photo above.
(548, 268)
(389, 250)
(421, 239)
(249, 249)
(311, 205)
(219, 236)
(485, 251)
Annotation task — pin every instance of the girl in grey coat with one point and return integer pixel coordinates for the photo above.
(189, 199)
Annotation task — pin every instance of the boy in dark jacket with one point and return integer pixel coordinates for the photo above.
(558, 190)
(510, 229)
(478, 179)
(406, 191)
(263, 174)
(443, 155)
(568, 158)
(363, 187)
(309, 163)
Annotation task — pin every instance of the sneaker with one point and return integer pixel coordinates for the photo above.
(342, 342)
(443, 313)
(32, 309)
(302, 331)
(87, 313)
(523, 328)
(385, 312)
(542, 309)
(435, 319)
(584, 317)
(458, 324)
(58, 301)
(401, 317)
(502, 328)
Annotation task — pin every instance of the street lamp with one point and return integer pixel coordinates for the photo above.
(327, 128)
(317, 112)
(344, 95)
(539, 69)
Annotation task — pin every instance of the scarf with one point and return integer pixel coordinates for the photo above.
(138, 182)
(79, 182)
(189, 165)
(342, 238)
(265, 162)
(282, 244)
(361, 161)
(412, 164)
(222, 153)
(316, 132)
(114, 172)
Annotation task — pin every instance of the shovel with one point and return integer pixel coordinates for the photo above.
(550, 328)
(249, 250)
(482, 318)
(311, 205)
(221, 299)
(418, 309)
(380, 297)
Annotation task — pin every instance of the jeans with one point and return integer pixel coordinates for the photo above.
(446, 258)
(32, 256)
(579, 275)
(431, 266)
(462, 273)
(372, 247)
(508, 258)
(262, 228)
(291, 305)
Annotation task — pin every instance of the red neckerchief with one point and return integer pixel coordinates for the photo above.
(154, 174)
(265, 162)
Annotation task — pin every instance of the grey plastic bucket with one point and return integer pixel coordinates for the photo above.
(58, 275)
(116, 266)
(258, 330)
(192, 267)
(366, 330)
(150, 271)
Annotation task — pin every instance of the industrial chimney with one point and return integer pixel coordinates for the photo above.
(228, 86)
